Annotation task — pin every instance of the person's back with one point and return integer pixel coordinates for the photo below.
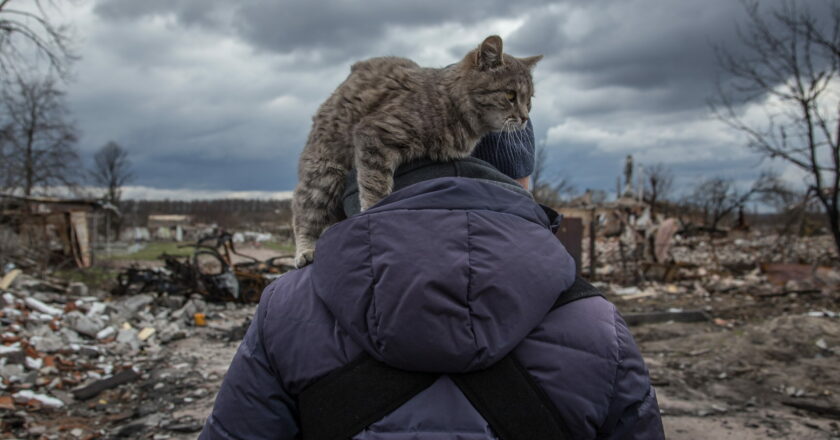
(447, 275)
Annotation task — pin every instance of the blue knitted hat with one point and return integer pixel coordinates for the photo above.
(512, 153)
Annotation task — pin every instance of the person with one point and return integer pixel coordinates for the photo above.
(455, 270)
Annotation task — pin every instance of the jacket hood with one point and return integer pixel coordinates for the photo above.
(446, 275)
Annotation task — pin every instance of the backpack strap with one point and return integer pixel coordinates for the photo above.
(580, 289)
(364, 391)
(355, 396)
(512, 402)
(509, 398)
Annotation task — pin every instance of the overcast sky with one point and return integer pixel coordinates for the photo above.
(213, 95)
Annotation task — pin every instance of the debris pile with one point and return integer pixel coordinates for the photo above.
(741, 338)
(210, 271)
(106, 365)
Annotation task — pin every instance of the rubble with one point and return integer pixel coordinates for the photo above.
(764, 347)
(76, 362)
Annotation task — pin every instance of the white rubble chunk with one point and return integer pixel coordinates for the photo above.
(34, 363)
(12, 373)
(42, 317)
(106, 333)
(12, 313)
(85, 325)
(46, 344)
(632, 290)
(14, 348)
(34, 304)
(96, 309)
(27, 395)
(8, 298)
(127, 341)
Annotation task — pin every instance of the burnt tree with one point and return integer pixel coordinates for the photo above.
(789, 58)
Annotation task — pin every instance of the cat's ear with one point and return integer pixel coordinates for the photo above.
(530, 62)
(489, 53)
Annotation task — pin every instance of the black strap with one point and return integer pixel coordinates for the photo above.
(580, 289)
(349, 399)
(512, 402)
(364, 391)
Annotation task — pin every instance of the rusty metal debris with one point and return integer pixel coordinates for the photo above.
(209, 271)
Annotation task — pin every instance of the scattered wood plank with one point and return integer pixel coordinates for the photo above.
(99, 386)
(656, 317)
(816, 408)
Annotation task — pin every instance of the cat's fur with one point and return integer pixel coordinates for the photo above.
(389, 111)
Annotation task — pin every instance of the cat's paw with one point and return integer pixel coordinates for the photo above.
(304, 257)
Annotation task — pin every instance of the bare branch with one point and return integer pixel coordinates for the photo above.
(19, 28)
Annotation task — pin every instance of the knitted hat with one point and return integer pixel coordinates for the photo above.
(512, 153)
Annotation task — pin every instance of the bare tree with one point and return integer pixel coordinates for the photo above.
(659, 181)
(112, 170)
(39, 139)
(718, 198)
(549, 191)
(791, 56)
(29, 29)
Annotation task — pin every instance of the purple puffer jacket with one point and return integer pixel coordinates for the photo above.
(447, 275)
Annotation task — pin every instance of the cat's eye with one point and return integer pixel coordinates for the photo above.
(510, 95)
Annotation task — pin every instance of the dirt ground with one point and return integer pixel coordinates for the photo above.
(762, 365)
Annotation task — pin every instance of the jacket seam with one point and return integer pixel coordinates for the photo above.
(261, 335)
(263, 313)
(469, 282)
(374, 308)
(618, 368)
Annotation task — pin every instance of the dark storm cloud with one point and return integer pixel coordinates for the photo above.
(218, 94)
(337, 29)
(665, 48)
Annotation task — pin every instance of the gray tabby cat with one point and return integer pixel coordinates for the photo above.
(390, 111)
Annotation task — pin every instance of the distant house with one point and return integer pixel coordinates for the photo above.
(169, 226)
(168, 220)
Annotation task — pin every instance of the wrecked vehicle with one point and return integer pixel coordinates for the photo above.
(209, 271)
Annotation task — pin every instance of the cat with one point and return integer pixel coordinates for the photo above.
(389, 111)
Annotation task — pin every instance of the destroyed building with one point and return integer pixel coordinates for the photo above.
(63, 229)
